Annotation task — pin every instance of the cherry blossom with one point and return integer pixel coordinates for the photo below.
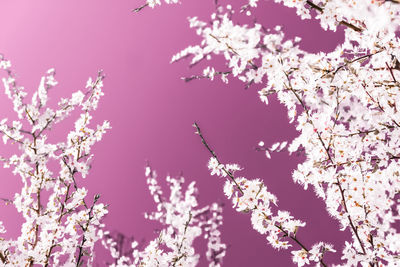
(61, 223)
(154, 3)
(344, 104)
(182, 223)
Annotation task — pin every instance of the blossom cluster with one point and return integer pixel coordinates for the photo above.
(182, 223)
(153, 4)
(252, 196)
(345, 105)
(60, 226)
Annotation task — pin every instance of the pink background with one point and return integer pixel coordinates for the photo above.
(151, 111)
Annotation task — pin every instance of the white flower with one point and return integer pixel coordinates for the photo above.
(228, 188)
(345, 104)
(215, 167)
(182, 223)
(300, 257)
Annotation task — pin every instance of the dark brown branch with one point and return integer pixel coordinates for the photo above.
(391, 72)
(138, 9)
(195, 77)
(337, 114)
(6, 200)
(377, 103)
(253, 66)
(351, 26)
(175, 260)
(342, 22)
(348, 215)
(293, 237)
(329, 159)
(62, 213)
(3, 258)
(198, 131)
(298, 242)
(303, 105)
(334, 71)
(312, 5)
(79, 261)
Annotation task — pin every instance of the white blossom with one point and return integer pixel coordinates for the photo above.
(61, 228)
(345, 105)
(182, 223)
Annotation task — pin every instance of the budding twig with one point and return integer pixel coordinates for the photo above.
(342, 22)
(286, 233)
(215, 156)
(79, 260)
(138, 9)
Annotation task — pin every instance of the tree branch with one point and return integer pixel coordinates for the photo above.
(198, 131)
(321, 10)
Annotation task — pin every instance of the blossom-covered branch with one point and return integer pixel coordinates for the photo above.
(153, 3)
(349, 117)
(253, 196)
(182, 223)
(59, 227)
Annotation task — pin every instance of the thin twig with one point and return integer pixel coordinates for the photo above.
(298, 242)
(321, 10)
(79, 261)
(350, 62)
(329, 159)
(391, 72)
(198, 131)
(175, 260)
(138, 9)
(293, 237)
